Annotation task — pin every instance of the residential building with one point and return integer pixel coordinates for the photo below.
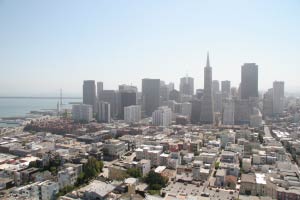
(162, 116)
(132, 114)
(82, 112)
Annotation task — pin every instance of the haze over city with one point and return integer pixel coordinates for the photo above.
(45, 46)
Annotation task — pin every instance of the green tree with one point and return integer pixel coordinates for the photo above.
(134, 172)
(156, 180)
(92, 168)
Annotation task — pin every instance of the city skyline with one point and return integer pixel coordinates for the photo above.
(124, 42)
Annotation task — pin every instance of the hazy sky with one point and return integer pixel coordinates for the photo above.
(47, 45)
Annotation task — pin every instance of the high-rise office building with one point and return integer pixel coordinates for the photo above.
(225, 89)
(164, 92)
(162, 116)
(199, 93)
(82, 113)
(242, 111)
(196, 110)
(150, 95)
(175, 95)
(278, 97)
(89, 93)
(111, 97)
(249, 82)
(215, 86)
(127, 98)
(218, 101)
(99, 89)
(132, 114)
(186, 109)
(130, 88)
(103, 112)
(207, 108)
(268, 103)
(228, 112)
(186, 85)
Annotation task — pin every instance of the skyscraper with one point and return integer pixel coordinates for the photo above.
(215, 86)
(186, 85)
(110, 96)
(228, 112)
(150, 95)
(278, 97)
(127, 98)
(99, 89)
(89, 93)
(225, 88)
(268, 103)
(207, 107)
(249, 82)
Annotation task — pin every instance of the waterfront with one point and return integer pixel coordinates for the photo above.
(20, 107)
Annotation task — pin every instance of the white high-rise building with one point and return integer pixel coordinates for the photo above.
(82, 112)
(278, 97)
(132, 114)
(103, 112)
(228, 112)
(162, 116)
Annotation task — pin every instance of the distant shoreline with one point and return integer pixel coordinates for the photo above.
(20, 97)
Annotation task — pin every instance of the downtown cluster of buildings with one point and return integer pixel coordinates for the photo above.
(214, 104)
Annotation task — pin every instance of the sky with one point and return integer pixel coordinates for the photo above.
(48, 45)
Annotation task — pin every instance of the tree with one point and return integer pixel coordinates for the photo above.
(155, 180)
(92, 168)
(134, 172)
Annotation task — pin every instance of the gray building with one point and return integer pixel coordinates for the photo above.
(99, 88)
(127, 98)
(278, 97)
(111, 97)
(150, 95)
(207, 107)
(225, 89)
(89, 93)
(242, 111)
(82, 113)
(103, 112)
(186, 85)
(215, 86)
(196, 110)
(249, 82)
(268, 103)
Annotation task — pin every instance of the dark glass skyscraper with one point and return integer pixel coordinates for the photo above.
(127, 98)
(249, 82)
(150, 95)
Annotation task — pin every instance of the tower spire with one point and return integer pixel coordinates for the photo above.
(207, 60)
